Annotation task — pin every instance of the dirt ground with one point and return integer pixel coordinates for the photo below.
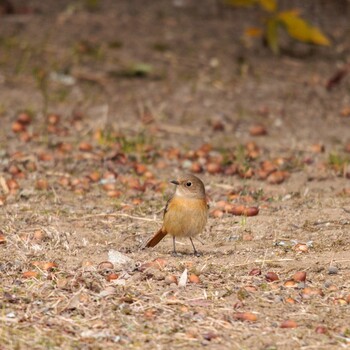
(102, 103)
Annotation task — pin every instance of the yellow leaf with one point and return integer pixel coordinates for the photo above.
(253, 32)
(245, 3)
(272, 34)
(301, 30)
(318, 38)
(268, 5)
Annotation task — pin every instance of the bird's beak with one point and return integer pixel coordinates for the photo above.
(175, 182)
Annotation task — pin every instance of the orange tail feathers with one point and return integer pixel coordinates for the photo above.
(156, 238)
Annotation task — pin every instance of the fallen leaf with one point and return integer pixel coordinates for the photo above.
(183, 279)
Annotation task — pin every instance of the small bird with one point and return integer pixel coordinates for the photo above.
(186, 212)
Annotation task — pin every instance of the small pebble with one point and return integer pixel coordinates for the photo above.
(332, 270)
(301, 285)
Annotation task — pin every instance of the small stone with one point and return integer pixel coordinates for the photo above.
(332, 270)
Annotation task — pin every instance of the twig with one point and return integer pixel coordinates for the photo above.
(175, 129)
(346, 210)
(4, 185)
(262, 261)
(224, 186)
(115, 215)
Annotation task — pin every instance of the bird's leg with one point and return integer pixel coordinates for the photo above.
(195, 251)
(174, 247)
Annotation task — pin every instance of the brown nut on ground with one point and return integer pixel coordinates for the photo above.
(244, 211)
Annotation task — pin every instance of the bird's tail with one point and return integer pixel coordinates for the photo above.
(156, 238)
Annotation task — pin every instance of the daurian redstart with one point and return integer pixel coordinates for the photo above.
(186, 212)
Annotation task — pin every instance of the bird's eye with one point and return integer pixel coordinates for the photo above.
(189, 184)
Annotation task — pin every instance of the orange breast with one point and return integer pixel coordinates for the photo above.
(185, 216)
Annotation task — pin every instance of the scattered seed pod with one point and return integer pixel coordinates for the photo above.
(255, 272)
(30, 274)
(196, 168)
(2, 238)
(299, 276)
(42, 185)
(251, 289)
(245, 316)
(340, 301)
(244, 211)
(247, 237)
(277, 177)
(231, 170)
(18, 127)
(87, 263)
(262, 174)
(94, 176)
(52, 129)
(62, 283)
(149, 175)
(321, 330)
(53, 119)
(217, 213)
(301, 247)
(253, 154)
(85, 147)
(105, 265)
(25, 136)
(65, 147)
(251, 146)
(157, 264)
(64, 181)
(150, 314)
(170, 279)
(257, 130)
(246, 173)
(290, 284)
(347, 147)
(45, 157)
(39, 235)
(222, 205)
(332, 288)
(24, 118)
(109, 187)
(135, 184)
(114, 193)
(160, 262)
(112, 277)
(263, 111)
(271, 277)
(289, 324)
(192, 278)
(188, 264)
(290, 300)
(209, 336)
(13, 169)
(214, 168)
(140, 169)
(217, 125)
(268, 166)
(309, 292)
(12, 185)
(317, 148)
(49, 266)
(136, 201)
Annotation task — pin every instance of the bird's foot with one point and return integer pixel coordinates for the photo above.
(197, 253)
(175, 254)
